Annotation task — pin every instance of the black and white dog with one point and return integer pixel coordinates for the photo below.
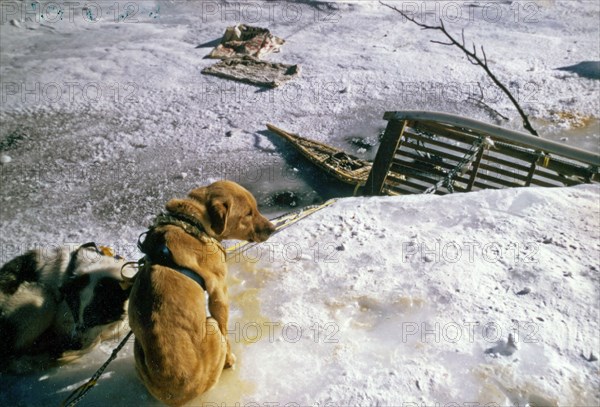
(57, 304)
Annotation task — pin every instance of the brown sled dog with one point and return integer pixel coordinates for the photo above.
(180, 351)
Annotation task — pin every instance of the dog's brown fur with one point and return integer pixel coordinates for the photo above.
(179, 352)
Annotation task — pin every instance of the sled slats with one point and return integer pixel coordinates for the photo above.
(434, 153)
(506, 173)
(422, 163)
(421, 150)
(539, 183)
(501, 160)
(462, 148)
(432, 176)
(407, 171)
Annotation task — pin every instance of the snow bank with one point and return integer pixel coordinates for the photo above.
(403, 301)
(398, 299)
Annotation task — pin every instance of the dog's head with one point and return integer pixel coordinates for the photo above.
(227, 210)
(95, 299)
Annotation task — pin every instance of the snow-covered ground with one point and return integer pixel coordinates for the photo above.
(105, 115)
(400, 301)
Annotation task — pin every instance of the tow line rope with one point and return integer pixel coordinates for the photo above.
(80, 392)
(280, 222)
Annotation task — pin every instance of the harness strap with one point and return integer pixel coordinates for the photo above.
(164, 257)
(194, 276)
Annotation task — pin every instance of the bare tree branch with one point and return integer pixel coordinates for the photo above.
(480, 101)
(471, 57)
(441, 42)
(481, 90)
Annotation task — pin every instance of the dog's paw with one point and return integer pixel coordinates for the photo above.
(229, 360)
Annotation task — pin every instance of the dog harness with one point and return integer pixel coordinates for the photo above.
(189, 224)
(163, 257)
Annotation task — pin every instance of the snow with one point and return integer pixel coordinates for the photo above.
(423, 287)
(400, 300)
(105, 116)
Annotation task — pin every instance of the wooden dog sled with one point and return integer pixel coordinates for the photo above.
(429, 152)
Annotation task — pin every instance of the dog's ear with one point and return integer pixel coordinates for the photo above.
(218, 210)
(71, 290)
(198, 194)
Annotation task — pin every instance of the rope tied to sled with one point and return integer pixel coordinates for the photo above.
(470, 156)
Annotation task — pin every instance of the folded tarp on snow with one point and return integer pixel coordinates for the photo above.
(242, 40)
